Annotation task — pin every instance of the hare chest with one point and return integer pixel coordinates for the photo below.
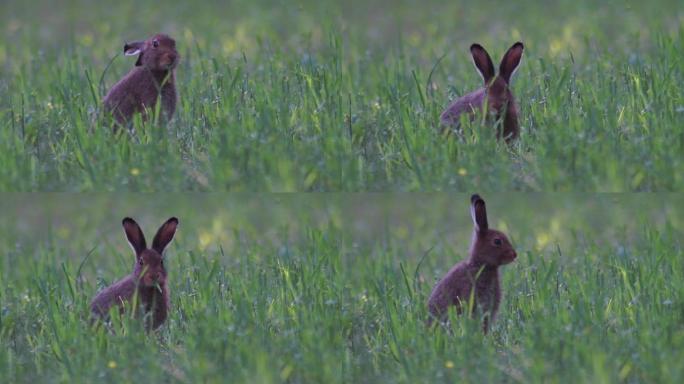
(168, 100)
(152, 88)
(165, 93)
(488, 294)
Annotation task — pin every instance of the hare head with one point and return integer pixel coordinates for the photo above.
(149, 266)
(158, 53)
(498, 93)
(489, 246)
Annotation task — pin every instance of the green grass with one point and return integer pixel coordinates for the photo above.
(319, 96)
(332, 288)
(344, 97)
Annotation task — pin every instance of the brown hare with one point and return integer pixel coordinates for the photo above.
(148, 279)
(152, 78)
(478, 275)
(496, 92)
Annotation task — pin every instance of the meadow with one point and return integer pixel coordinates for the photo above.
(332, 288)
(345, 96)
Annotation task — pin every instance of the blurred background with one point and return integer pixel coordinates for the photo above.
(431, 27)
(422, 30)
(405, 226)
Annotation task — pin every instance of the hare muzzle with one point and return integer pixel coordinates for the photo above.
(510, 256)
(169, 60)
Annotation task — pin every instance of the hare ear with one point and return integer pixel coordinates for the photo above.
(164, 235)
(511, 61)
(134, 48)
(482, 62)
(478, 212)
(134, 235)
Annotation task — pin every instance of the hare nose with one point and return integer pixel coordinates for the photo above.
(515, 255)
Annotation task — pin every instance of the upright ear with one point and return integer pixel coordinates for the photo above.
(511, 61)
(134, 235)
(478, 211)
(482, 62)
(134, 48)
(164, 235)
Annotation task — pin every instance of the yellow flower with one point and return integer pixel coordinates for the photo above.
(449, 364)
(111, 364)
(543, 239)
(63, 232)
(86, 39)
(462, 171)
(135, 171)
(205, 238)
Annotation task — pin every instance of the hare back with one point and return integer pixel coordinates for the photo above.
(468, 103)
(451, 290)
(139, 90)
(116, 294)
(456, 287)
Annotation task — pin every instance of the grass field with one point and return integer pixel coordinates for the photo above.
(320, 96)
(344, 97)
(332, 288)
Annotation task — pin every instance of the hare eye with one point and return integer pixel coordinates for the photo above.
(497, 242)
(155, 43)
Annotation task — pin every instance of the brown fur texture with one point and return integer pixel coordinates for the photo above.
(152, 78)
(148, 279)
(496, 92)
(478, 275)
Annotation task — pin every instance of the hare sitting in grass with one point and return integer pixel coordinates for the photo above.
(476, 278)
(152, 78)
(148, 280)
(496, 92)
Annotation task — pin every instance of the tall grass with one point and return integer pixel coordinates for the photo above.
(315, 296)
(322, 96)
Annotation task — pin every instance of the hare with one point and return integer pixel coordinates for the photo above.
(153, 76)
(496, 91)
(478, 275)
(148, 279)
